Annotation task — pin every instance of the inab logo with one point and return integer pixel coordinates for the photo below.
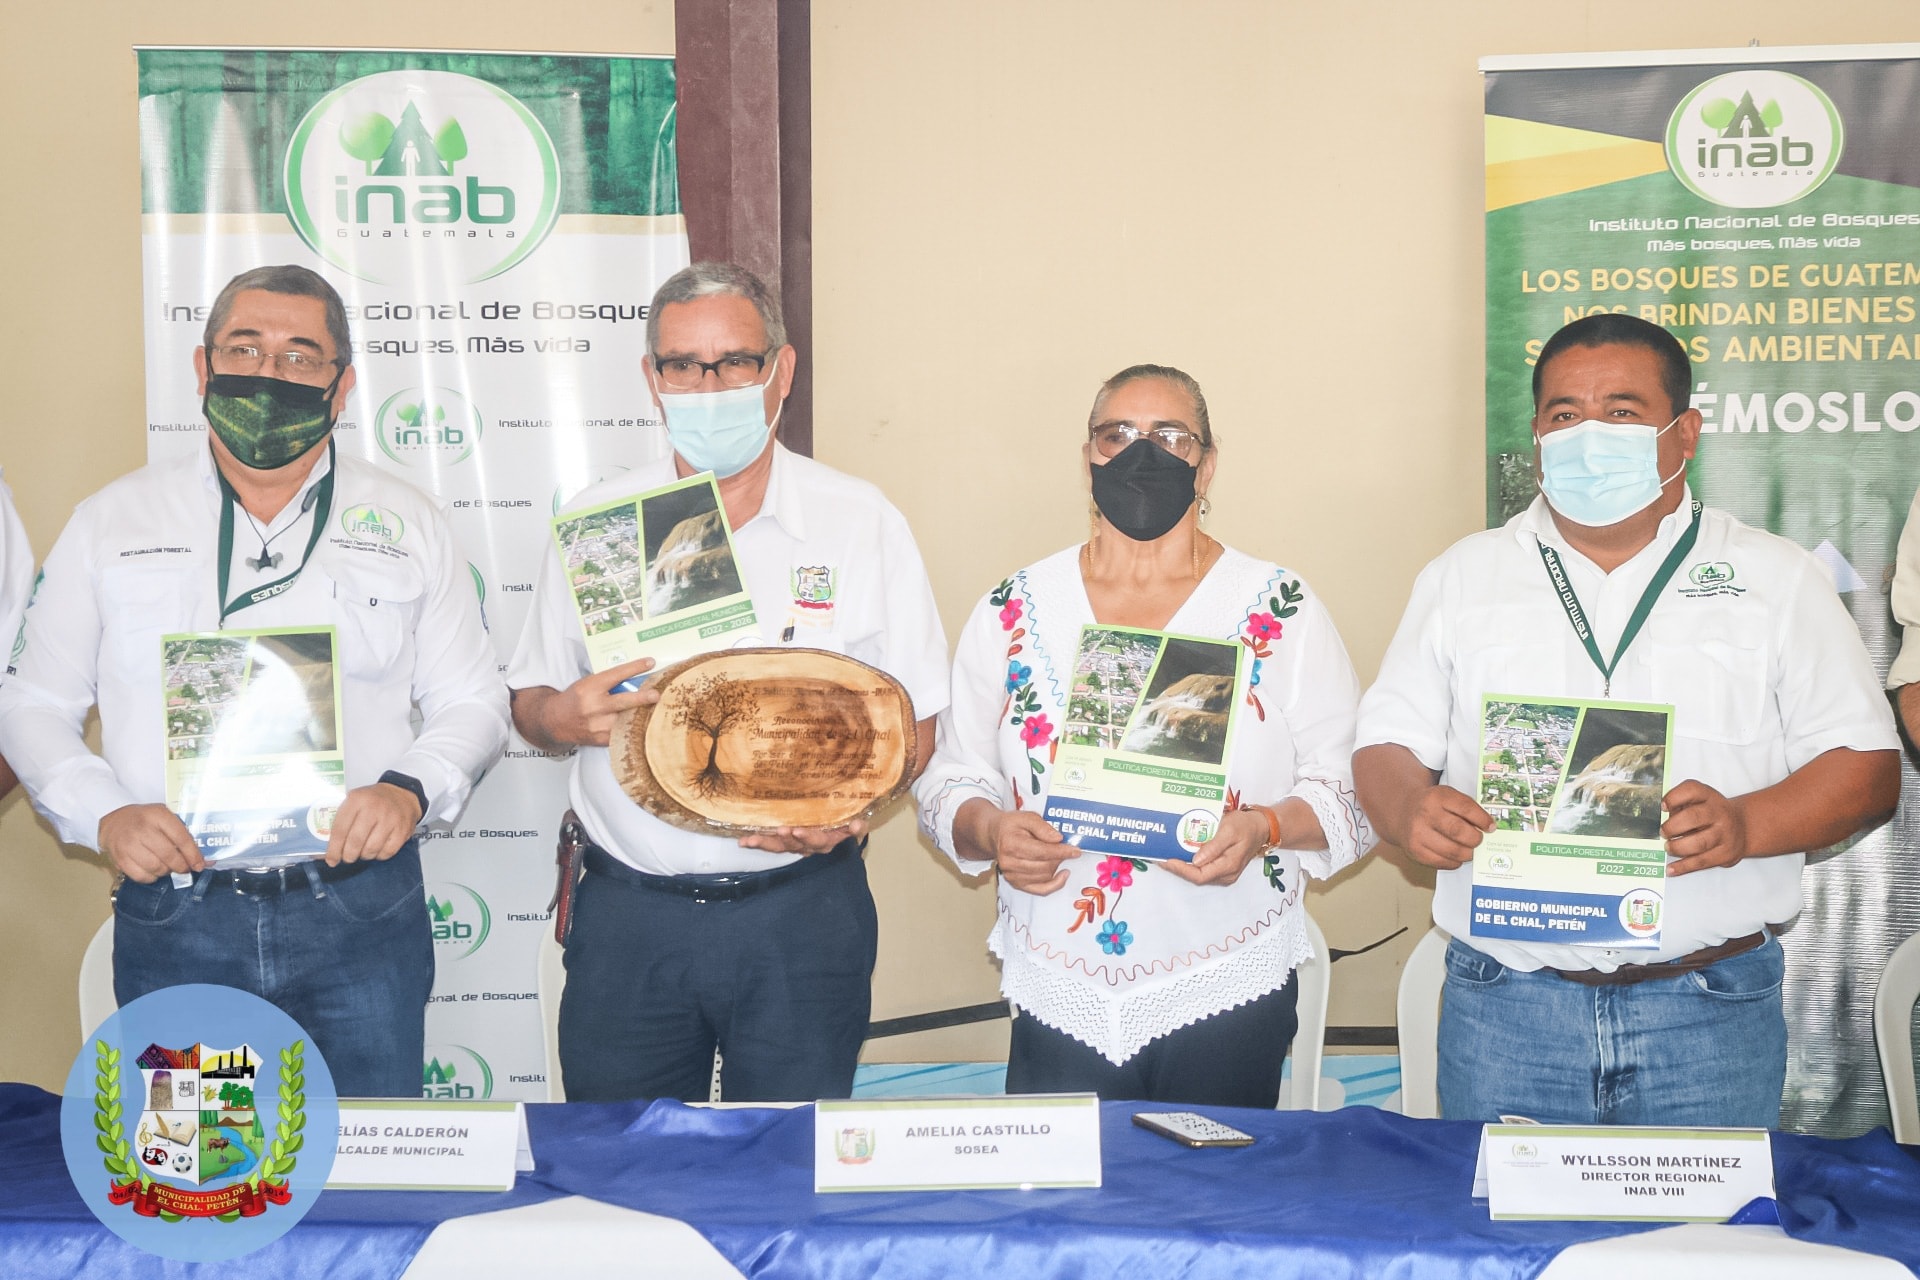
(389, 160)
(427, 426)
(460, 919)
(1754, 139)
(372, 524)
(455, 1073)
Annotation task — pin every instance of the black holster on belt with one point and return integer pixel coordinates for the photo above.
(569, 857)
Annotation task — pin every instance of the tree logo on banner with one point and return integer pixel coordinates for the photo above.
(390, 166)
(460, 918)
(1754, 139)
(453, 1072)
(427, 426)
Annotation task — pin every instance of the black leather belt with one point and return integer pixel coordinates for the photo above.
(731, 887)
(271, 882)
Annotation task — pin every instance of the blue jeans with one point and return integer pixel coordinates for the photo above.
(780, 983)
(1701, 1048)
(353, 967)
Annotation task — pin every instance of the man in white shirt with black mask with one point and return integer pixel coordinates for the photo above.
(682, 943)
(1615, 584)
(267, 528)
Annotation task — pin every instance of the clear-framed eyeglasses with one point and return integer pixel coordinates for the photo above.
(295, 366)
(1110, 438)
(740, 369)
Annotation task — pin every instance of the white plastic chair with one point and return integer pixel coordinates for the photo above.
(1893, 1005)
(551, 984)
(1417, 1010)
(97, 1001)
(1302, 1092)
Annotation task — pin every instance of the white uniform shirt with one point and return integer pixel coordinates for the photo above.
(138, 561)
(812, 517)
(16, 570)
(1748, 642)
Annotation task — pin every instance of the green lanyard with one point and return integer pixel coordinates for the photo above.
(322, 508)
(1557, 575)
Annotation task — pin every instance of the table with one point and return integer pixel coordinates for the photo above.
(662, 1188)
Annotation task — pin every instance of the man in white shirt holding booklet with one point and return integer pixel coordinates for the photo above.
(682, 942)
(1617, 588)
(257, 624)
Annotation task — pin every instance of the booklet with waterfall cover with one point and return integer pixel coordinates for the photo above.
(655, 576)
(1574, 788)
(1142, 764)
(254, 738)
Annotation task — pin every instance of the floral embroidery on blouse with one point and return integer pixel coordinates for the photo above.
(1261, 628)
(1116, 874)
(1023, 704)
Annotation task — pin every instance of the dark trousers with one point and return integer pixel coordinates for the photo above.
(350, 960)
(1232, 1059)
(779, 982)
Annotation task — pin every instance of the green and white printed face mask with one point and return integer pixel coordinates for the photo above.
(268, 422)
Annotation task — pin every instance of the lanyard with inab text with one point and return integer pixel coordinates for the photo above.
(1557, 574)
(323, 506)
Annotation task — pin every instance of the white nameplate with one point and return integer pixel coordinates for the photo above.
(399, 1144)
(943, 1144)
(1667, 1175)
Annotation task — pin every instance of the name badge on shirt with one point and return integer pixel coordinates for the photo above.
(814, 589)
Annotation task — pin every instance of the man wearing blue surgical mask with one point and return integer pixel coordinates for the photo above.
(1618, 591)
(684, 943)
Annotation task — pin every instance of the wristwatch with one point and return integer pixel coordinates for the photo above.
(409, 783)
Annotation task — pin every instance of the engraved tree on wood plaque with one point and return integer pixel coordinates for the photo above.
(715, 705)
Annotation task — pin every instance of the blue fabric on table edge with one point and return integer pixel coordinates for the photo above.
(1348, 1193)
(1859, 1193)
(47, 1231)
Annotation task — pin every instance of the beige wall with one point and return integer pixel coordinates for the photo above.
(1013, 199)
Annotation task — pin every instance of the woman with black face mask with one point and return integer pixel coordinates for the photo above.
(1166, 980)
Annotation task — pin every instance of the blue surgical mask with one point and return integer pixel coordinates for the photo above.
(1600, 473)
(720, 431)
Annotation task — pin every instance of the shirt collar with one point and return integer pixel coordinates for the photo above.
(209, 477)
(1536, 522)
(782, 500)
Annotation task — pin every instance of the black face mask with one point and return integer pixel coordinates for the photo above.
(1143, 490)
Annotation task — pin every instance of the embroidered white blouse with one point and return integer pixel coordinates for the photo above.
(1126, 952)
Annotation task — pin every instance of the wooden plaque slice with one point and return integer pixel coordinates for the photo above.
(744, 740)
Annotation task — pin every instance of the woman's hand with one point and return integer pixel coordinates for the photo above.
(1242, 838)
(1026, 848)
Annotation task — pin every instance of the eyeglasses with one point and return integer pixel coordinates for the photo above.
(293, 364)
(685, 374)
(1110, 438)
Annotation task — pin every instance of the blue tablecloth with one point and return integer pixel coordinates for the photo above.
(1358, 1192)
(46, 1232)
